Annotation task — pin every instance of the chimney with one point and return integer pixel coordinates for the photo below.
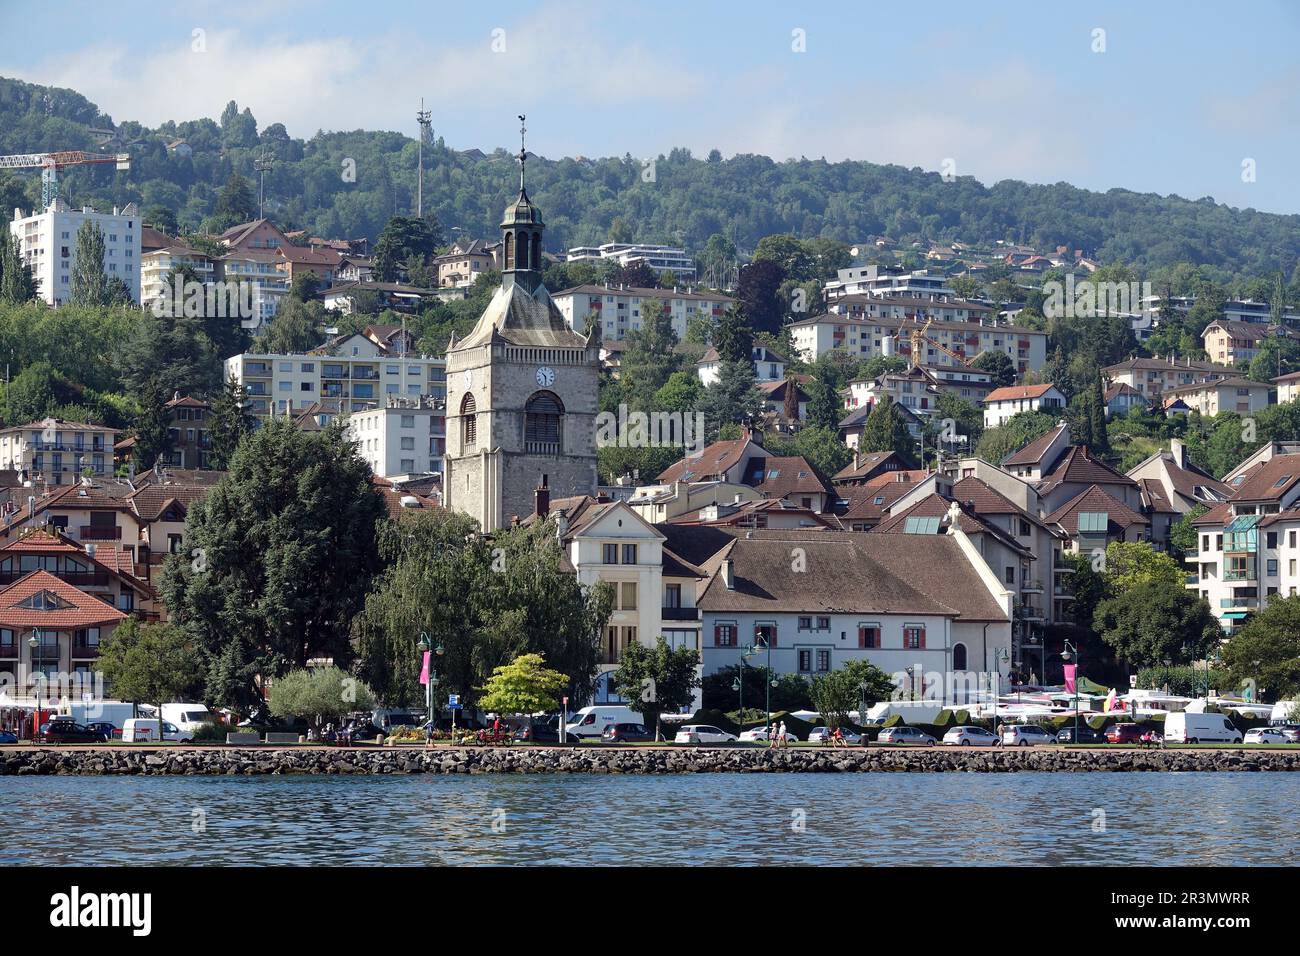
(1178, 451)
(729, 574)
(542, 499)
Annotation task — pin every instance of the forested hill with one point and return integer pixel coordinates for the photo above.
(681, 199)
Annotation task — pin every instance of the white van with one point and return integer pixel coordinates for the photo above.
(591, 721)
(145, 730)
(188, 717)
(1184, 728)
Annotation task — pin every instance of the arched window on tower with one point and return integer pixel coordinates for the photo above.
(537, 252)
(510, 250)
(543, 418)
(468, 421)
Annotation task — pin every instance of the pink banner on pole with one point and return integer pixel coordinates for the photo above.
(1069, 677)
(424, 671)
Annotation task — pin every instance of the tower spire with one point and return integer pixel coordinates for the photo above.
(523, 153)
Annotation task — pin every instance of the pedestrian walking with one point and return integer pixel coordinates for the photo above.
(780, 735)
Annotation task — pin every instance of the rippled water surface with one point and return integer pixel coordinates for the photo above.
(1116, 818)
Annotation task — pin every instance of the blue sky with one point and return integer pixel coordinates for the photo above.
(1182, 95)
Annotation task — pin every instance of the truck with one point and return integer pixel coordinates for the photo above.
(592, 721)
(1185, 728)
(114, 712)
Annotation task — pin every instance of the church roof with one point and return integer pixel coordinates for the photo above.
(522, 318)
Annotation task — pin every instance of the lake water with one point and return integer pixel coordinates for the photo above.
(741, 819)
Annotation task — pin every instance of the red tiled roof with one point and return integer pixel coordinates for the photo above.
(85, 610)
(1032, 454)
(1268, 481)
(712, 460)
(1017, 392)
(1078, 466)
(793, 476)
(1093, 498)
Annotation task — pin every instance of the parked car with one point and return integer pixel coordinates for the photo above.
(1025, 735)
(763, 735)
(542, 733)
(1125, 733)
(822, 735)
(145, 729)
(971, 737)
(1086, 735)
(1290, 731)
(105, 727)
(1265, 735)
(703, 734)
(905, 735)
(63, 730)
(627, 734)
(8, 737)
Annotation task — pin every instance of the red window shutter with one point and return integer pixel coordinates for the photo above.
(921, 631)
(773, 644)
(717, 635)
(862, 637)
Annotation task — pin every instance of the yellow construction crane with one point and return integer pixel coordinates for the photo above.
(49, 164)
(918, 339)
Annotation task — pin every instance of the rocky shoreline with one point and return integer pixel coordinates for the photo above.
(597, 760)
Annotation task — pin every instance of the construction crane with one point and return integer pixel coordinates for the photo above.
(49, 164)
(918, 339)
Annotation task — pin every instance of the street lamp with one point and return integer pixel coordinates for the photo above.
(911, 684)
(761, 643)
(1065, 655)
(424, 646)
(34, 642)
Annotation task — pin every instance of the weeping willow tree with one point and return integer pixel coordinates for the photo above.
(483, 601)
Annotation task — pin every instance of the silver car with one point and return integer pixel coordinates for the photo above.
(1025, 735)
(906, 735)
(971, 737)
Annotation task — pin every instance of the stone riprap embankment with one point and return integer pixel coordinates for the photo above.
(598, 760)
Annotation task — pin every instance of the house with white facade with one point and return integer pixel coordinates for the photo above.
(620, 309)
(406, 435)
(47, 242)
(1003, 403)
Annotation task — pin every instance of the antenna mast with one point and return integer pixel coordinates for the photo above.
(263, 166)
(422, 117)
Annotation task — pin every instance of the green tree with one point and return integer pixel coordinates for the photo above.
(1156, 621)
(282, 553)
(153, 437)
(999, 366)
(649, 359)
(305, 285)
(1266, 649)
(149, 663)
(733, 339)
(318, 692)
(843, 690)
(1183, 535)
(16, 282)
(1013, 434)
(1130, 564)
(229, 422)
(886, 430)
(236, 203)
(90, 285)
(404, 237)
(733, 399)
(524, 686)
(657, 679)
(295, 328)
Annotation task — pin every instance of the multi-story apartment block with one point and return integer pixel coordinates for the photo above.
(47, 242)
(467, 259)
(658, 258)
(350, 374)
(1232, 343)
(619, 310)
(1222, 395)
(1288, 387)
(889, 282)
(946, 343)
(187, 424)
(259, 269)
(157, 265)
(406, 435)
(1152, 376)
(58, 451)
(865, 306)
(1249, 546)
(322, 262)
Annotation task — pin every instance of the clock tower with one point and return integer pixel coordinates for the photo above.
(521, 389)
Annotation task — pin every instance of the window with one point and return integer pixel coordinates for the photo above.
(627, 596)
(805, 623)
(724, 635)
(1272, 567)
(868, 635)
(407, 465)
(469, 421)
(609, 554)
(1011, 575)
(672, 595)
(823, 660)
(765, 635)
(914, 637)
(408, 444)
(408, 421)
(629, 554)
(542, 414)
(823, 623)
(805, 662)
(1271, 539)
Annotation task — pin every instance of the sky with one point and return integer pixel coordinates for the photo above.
(1192, 97)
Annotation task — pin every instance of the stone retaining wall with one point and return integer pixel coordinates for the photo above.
(314, 760)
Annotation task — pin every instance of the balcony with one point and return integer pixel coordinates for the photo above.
(1192, 579)
(1031, 587)
(95, 532)
(680, 613)
(364, 374)
(85, 650)
(541, 447)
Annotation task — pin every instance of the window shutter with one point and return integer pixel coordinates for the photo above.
(717, 635)
(862, 637)
(921, 632)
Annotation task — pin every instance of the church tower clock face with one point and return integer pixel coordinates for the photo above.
(545, 376)
(469, 379)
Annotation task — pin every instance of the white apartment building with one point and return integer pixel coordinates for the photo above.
(404, 436)
(891, 307)
(259, 268)
(948, 343)
(58, 450)
(350, 375)
(1003, 403)
(658, 258)
(620, 308)
(48, 244)
(886, 281)
(156, 267)
(1152, 376)
(1222, 395)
